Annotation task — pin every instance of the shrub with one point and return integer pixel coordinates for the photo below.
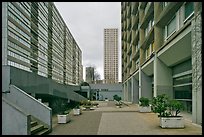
(144, 102)
(165, 107)
(117, 98)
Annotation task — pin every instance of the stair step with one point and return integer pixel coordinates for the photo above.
(36, 129)
(43, 132)
(33, 123)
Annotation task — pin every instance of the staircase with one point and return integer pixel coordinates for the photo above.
(38, 129)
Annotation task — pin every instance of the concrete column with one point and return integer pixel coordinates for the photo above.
(88, 93)
(125, 91)
(140, 82)
(197, 67)
(4, 32)
(135, 90)
(5, 78)
(163, 81)
(129, 90)
(146, 85)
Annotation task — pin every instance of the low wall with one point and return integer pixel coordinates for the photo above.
(14, 120)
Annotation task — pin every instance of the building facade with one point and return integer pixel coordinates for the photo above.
(161, 52)
(105, 91)
(90, 75)
(35, 38)
(111, 55)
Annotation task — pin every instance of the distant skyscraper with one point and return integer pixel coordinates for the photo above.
(111, 55)
(89, 74)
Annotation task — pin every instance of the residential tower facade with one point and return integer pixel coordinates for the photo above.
(161, 52)
(35, 38)
(111, 55)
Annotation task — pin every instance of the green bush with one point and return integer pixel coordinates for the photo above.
(117, 98)
(144, 102)
(166, 107)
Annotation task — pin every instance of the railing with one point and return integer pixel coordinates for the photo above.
(30, 105)
(14, 120)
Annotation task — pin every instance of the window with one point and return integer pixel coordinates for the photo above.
(171, 26)
(189, 10)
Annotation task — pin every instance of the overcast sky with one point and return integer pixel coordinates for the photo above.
(86, 21)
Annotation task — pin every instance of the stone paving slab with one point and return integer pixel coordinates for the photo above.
(136, 123)
(109, 120)
(85, 124)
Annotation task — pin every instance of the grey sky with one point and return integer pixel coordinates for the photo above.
(86, 21)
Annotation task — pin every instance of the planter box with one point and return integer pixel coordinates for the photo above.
(145, 109)
(77, 111)
(172, 122)
(63, 118)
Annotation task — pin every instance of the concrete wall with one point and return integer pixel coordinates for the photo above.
(30, 105)
(109, 95)
(14, 120)
(5, 78)
(35, 84)
(108, 90)
(163, 81)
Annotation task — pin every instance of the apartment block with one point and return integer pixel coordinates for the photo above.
(111, 55)
(161, 52)
(35, 38)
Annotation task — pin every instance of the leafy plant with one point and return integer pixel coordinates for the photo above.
(165, 107)
(117, 98)
(174, 107)
(86, 103)
(144, 102)
(77, 107)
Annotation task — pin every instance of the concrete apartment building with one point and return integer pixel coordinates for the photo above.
(111, 55)
(90, 75)
(40, 60)
(36, 39)
(161, 52)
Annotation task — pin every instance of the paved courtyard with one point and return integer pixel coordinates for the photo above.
(109, 120)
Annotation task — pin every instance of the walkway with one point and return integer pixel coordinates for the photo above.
(109, 120)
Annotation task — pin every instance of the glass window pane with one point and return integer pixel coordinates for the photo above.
(189, 8)
(171, 27)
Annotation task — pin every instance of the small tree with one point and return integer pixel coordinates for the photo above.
(160, 104)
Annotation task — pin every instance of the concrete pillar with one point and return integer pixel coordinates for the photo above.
(129, 90)
(5, 78)
(140, 82)
(146, 85)
(163, 81)
(197, 66)
(4, 32)
(125, 91)
(135, 90)
(88, 93)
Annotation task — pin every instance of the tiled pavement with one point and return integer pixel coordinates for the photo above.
(109, 120)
